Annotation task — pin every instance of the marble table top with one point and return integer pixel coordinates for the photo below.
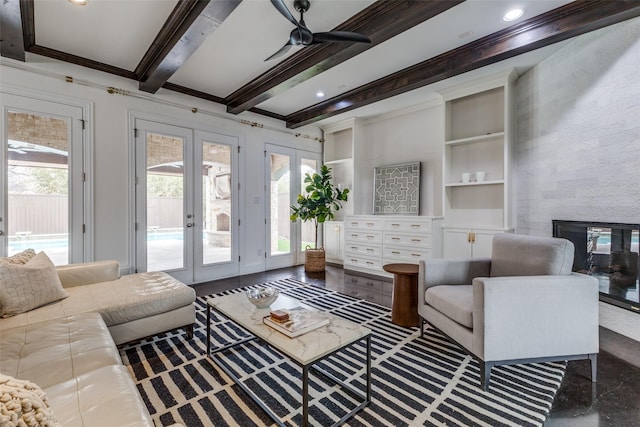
(304, 349)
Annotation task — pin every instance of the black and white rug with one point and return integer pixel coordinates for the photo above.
(417, 381)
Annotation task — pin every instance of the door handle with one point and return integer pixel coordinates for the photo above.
(189, 224)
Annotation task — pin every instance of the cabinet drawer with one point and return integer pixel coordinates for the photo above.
(363, 262)
(356, 248)
(414, 240)
(419, 224)
(395, 254)
(363, 223)
(363, 236)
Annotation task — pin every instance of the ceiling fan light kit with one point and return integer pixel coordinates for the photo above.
(302, 36)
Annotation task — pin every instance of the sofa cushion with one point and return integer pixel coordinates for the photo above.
(28, 286)
(131, 297)
(23, 403)
(51, 352)
(522, 255)
(20, 258)
(454, 301)
(105, 397)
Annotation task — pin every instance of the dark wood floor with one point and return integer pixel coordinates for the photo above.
(613, 401)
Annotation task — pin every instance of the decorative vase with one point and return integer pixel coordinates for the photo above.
(314, 260)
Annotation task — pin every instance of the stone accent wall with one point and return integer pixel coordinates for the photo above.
(40, 130)
(577, 153)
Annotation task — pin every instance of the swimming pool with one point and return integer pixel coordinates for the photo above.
(38, 243)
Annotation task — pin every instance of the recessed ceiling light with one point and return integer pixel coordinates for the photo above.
(512, 15)
(78, 2)
(319, 94)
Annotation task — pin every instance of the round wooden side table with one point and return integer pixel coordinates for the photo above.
(404, 308)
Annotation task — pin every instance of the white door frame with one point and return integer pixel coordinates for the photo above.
(78, 113)
(296, 255)
(194, 271)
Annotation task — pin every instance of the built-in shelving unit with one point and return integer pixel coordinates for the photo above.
(339, 147)
(477, 165)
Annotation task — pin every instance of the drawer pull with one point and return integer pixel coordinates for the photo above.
(395, 252)
(416, 240)
(395, 225)
(370, 224)
(415, 225)
(355, 261)
(370, 284)
(369, 250)
(355, 236)
(415, 255)
(395, 238)
(354, 248)
(369, 263)
(370, 237)
(354, 223)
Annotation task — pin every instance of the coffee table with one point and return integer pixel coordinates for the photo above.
(305, 350)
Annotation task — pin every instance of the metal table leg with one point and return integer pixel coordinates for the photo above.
(305, 395)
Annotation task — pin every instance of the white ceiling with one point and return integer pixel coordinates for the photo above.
(119, 32)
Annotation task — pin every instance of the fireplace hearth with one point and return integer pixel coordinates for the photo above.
(608, 252)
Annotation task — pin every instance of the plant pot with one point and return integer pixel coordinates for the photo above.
(314, 260)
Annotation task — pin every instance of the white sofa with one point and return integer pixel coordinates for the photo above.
(68, 348)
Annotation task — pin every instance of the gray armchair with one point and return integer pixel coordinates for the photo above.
(523, 305)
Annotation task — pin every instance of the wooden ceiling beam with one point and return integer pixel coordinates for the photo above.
(16, 28)
(188, 26)
(381, 21)
(560, 24)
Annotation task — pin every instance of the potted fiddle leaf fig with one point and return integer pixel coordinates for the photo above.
(319, 204)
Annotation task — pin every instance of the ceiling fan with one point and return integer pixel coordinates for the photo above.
(302, 36)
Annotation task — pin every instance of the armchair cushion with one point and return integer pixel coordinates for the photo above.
(522, 255)
(454, 301)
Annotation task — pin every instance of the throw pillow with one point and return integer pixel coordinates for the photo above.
(20, 258)
(23, 403)
(28, 286)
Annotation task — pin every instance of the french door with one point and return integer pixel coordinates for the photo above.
(43, 179)
(285, 170)
(185, 202)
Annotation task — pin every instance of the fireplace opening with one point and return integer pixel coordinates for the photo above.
(608, 252)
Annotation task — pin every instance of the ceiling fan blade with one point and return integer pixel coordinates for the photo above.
(282, 8)
(284, 49)
(340, 36)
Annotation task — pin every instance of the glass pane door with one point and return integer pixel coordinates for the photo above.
(43, 206)
(280, 229)
(308, 229)
(165, 202)
(216, 181)
(186, 202)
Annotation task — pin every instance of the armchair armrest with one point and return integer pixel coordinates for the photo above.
(535, 316)
(88, 273)
(435, 272)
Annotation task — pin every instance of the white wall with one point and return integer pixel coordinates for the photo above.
(111, 137)
(403, 137)
(577, 154)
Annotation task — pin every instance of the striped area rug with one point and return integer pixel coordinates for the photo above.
(417, 380)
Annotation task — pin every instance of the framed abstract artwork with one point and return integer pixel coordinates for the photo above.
(397, 189)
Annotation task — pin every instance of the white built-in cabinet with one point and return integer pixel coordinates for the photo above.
(339, 147)
(371, 241)
(478, 134)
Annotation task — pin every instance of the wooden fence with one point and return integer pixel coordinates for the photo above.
(39, 214)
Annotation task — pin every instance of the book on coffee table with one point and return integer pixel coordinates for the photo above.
(301, 320)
